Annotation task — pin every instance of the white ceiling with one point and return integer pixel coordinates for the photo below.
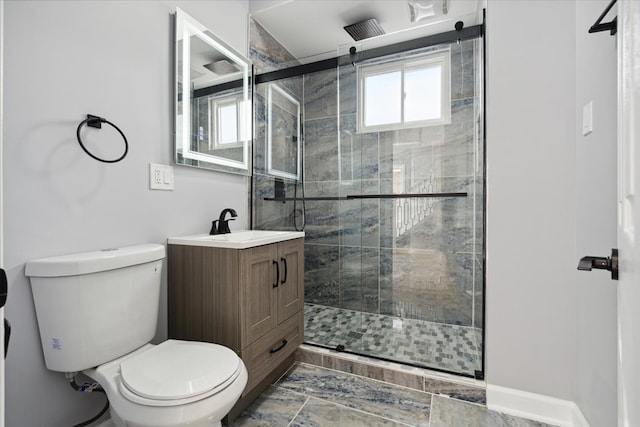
(313, 29)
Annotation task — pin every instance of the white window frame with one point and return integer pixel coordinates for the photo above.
(215, 102)
(441, 58)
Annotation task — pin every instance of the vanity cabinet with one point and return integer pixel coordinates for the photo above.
(250, 300)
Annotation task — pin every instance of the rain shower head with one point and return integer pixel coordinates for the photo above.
(222, 67)
(364, 29)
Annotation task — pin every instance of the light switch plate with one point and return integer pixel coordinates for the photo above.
(160, 177)
(587, 118)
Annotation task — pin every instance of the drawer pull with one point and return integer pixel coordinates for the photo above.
(275, 284)
(284, 263)
(278, 348)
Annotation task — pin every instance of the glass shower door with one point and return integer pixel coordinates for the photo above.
(404, 239)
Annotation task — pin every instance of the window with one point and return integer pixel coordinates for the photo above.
(404, 94)
(225, 122)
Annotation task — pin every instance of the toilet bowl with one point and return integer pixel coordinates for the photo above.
(172, 384)
(97, 314)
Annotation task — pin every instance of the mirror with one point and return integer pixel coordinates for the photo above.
(283, 133)
(213, 101)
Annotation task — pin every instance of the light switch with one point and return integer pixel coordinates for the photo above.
(587, 118)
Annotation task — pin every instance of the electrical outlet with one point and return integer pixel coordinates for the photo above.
(160, 177)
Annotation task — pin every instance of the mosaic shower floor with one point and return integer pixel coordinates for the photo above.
(418, 342)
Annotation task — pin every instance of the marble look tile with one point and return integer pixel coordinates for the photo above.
(379, 373)
(391, 402)
(321, 149)
(275, 407)
(347, 80)
(455, 156)
(309, 357)
(321, 413)
(271, 215)
(321, 274)
(321, 94)
(463, 73)
(478, 279)
(414, 340)
(266, 53)
(454, 413)
(359, 278)
(456, 390)
(359, 156)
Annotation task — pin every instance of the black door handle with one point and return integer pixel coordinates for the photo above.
(4, 290)
(601, 263)
(7, 334)
(284, 263)
(275, 284)
(3, 287)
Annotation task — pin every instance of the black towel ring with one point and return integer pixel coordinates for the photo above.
(96, 122)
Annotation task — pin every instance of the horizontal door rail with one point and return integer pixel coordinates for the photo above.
(367, 196)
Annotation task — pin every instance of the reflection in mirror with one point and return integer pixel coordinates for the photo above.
(283, 133)
(213, 100)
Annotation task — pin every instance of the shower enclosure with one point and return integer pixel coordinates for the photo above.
(381, 160)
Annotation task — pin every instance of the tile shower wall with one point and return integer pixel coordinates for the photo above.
(411, 258)
(267, 54)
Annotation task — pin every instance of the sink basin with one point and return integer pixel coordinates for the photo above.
(237, 239)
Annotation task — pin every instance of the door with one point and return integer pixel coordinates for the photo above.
(290, 287)
(628, 213)
(259, 275)
(2, 410)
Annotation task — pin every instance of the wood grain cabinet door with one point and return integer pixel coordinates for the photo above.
(291, 284)
(258, 299)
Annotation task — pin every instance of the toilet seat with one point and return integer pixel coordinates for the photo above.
(178, 372)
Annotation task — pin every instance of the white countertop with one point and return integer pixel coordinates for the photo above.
(237, 239)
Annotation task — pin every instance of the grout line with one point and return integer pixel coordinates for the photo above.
(430, 409)
(285, 373)
(361, 411)
(299, 410)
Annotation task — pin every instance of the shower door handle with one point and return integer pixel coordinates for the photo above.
(588, 263)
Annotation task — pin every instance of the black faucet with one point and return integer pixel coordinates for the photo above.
(221, 225)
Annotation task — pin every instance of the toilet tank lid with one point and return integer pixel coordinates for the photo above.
(93, 262)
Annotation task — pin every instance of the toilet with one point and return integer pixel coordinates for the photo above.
(97, 313)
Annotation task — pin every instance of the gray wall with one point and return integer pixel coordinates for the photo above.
(531, 197)
(114, 59)
(596, 217)
(550, 329)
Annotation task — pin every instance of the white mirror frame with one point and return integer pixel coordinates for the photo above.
(186, 27)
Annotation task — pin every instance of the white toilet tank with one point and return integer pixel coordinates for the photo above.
(97, 306)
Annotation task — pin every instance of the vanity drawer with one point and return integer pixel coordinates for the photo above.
(268, 352)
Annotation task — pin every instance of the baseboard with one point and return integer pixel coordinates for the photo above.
(537, 407)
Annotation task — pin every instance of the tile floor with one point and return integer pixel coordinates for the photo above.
(308, 395)
(451, 348)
